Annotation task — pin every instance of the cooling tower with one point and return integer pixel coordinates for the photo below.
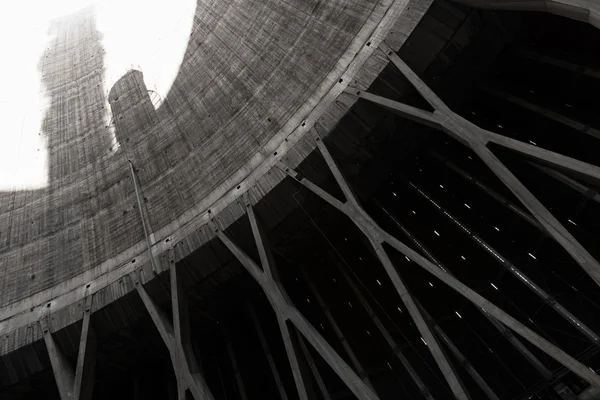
(238, 199)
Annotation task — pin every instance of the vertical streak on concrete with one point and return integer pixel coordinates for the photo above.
(385, 333)
(142, 217)
(501, 328)
(161, 321)
(267, 351)
(236, 370)
(517, 273)
(338, 332)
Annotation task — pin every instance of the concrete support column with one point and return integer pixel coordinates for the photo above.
(75, 384)
(267, 351)
(532, 337)
(377, 236)
(385, 333)
(529, 356)
(315, 371)
(517, 273)
(287, 314)
(236, 369)
(478, 139)
(192, 378)
(300, 371)
(338, 332)
(176, 337)
(85, 370)
(353, 209)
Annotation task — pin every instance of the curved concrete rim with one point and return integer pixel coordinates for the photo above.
(31, 309)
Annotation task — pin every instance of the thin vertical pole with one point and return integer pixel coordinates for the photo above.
(438, 354)
(267, 351)
(234, 364)
(517, 273)
(286, 311)
(386, 334)
(338, 332)
(460, 357)
(369, 228)
(315, 371)
(142, 216)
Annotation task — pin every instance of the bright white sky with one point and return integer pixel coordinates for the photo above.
(150, 35)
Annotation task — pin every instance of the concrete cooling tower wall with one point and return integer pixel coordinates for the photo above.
(255, 78)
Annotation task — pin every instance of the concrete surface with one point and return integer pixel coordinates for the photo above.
(255, 78)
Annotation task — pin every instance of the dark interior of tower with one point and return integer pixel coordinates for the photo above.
(524, 75)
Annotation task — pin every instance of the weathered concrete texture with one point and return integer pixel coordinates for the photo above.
(252, 73)
(131, 107)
